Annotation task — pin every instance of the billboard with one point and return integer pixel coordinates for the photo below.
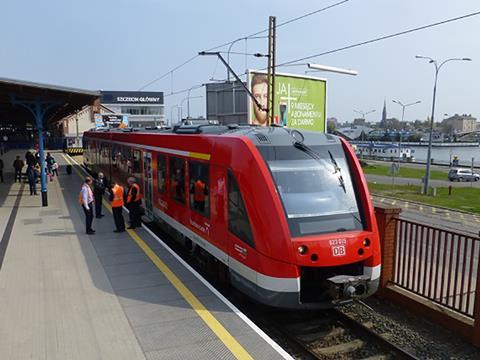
(300, 101)
(111, 121)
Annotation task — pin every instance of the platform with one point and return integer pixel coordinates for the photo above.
(68, 295)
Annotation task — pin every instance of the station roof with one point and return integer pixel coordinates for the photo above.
(64, 100)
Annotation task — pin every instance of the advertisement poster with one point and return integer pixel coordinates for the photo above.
(111, 121)
(300, 101)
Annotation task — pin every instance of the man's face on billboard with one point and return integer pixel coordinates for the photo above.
(260, 93)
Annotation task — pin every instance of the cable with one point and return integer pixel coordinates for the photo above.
(251, 36)
(381, 38)
(254, 35)
(171, 71)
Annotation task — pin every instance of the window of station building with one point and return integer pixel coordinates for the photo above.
(142, 110)
(162, 173)
(177, 179)
(238, 223)
(199, 199)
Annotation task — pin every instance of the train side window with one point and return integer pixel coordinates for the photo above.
(162, 173)
(199, 199)
(136, 161)
(177, 179)
(238, 223)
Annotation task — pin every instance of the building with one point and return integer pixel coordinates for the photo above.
(354, 132)
(227, 102)
(143, 108)
(359, 121)
(76, 124)
(459, 124)
(383, 122)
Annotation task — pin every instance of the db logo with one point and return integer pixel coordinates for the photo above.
(339, 250)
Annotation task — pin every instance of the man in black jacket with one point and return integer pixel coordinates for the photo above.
(98, 191)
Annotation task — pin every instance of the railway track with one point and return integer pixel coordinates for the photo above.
(331, 334)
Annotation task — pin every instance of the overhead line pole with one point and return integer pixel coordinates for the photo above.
(271, 68)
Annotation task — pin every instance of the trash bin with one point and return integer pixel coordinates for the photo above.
(69, 169)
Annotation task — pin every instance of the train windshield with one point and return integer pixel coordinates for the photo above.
(316, 188)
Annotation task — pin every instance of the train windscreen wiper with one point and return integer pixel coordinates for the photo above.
(306, 149)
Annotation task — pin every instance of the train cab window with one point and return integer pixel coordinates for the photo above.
(199, 199)
(177, 179)
(238, 223)
(162, 173)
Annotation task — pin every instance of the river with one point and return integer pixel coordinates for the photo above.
(444, 154)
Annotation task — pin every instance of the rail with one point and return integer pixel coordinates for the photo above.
(437, 264)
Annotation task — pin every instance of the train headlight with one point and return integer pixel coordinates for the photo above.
(302, 249)
(366, 242)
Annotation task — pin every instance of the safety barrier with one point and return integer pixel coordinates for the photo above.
(74, 150)
(431, 271)
(437, 264)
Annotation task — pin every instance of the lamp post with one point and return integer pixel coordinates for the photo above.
(403, 115)
(364, 117)
(429, 152)
(188, 104)
(178, 113)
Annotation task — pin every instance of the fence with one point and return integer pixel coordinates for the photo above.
(437, 264)
(431, 271)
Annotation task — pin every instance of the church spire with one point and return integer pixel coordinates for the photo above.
(383, 123)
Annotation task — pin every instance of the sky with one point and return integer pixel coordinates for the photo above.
(125, 44)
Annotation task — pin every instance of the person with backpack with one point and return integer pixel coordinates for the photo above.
(85, 198)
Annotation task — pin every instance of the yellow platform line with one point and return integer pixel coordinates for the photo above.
(219, 330)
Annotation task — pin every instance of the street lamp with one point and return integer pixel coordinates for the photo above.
(188, 104)
(178, 113)
(429, 153)
(333, 69)
(364, 116)
(403, 115)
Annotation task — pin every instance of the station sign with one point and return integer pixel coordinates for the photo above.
(299, 103)
(132, 97)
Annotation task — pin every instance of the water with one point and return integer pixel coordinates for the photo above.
(444, 154)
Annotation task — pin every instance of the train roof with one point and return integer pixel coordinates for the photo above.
(259, 135)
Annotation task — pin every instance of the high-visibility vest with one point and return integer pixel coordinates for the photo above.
(199, 191)
(117, 191)
(138, 197)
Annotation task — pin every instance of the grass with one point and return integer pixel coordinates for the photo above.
(405, 172)
(463, 198)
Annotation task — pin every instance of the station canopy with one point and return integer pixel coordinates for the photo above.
(18, 98)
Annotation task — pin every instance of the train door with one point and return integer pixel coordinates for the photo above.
(147, 181)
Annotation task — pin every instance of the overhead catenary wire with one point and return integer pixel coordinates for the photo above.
(384, 37)
(251, 36)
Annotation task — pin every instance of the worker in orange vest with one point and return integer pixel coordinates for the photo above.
(116, 199)
(134, 203)
(199, 192)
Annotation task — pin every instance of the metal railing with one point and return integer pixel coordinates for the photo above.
(437, 264)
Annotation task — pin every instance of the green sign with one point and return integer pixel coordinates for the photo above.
(299, 103)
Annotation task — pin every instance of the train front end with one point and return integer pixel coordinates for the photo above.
(333, 238)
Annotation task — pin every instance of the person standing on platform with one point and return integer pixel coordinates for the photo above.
(134, 203)
(1, 170)
(116, 199)
(29, 158)
(49, 162)
(99, 187)
(32, 175)
(18, 166)
(86, 200)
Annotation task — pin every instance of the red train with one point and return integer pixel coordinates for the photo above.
(287, 214)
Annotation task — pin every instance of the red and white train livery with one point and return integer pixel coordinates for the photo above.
(287, 213)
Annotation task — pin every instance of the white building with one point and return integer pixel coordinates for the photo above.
(142, 108)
